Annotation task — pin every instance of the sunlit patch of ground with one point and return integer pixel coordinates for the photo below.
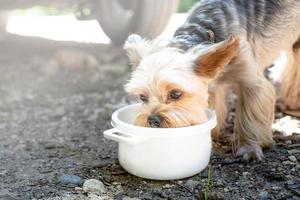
(287, 125)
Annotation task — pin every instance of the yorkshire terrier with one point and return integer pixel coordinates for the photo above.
(222, 45)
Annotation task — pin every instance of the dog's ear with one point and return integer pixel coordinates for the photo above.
(137, 48)
(210, 61)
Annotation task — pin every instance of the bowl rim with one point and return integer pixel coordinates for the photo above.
(117, 123)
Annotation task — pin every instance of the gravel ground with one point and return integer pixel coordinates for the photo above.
(56, 100)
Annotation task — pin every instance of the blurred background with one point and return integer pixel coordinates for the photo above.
(90, 21)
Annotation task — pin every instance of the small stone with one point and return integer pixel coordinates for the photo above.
(246, 173)
(293, 169)
(129, 198)
(119, 189)
(276, 188)
(216, 195)
(167, 186)
(226, 189)
(93, 186)
(287, 162)
(297, 168)
(219, 183)
(93, 196)
(263, 195)
(274, 163)
(70, 180)
(280, 169)
(191, 184)
(3, 173)
(288, 177)
(293, 158)
(295, 184)
(67, 197)
(288, 142)
(293, 151)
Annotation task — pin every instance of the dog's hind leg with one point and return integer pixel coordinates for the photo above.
(254, 109)
(290, 80)
(254, 116)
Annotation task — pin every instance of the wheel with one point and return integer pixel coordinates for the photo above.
(120, 18)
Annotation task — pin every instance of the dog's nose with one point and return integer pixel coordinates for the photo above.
(154, 121)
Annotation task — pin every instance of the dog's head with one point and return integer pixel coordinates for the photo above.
(172, 84)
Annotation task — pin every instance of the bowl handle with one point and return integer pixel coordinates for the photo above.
(122, 137)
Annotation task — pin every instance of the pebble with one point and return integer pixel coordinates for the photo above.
(288, 142)
(191, 184)
(280, 169)
(276, 188)
(287, 162)
(293, 158)
(78, 189)
(93, 196)
(93, 186)
(167, 186)
(3, 173)
(66, 197)
(219, 183)
(246, 173)
(293, 151)
(70, 179)
(297, 168)
(263, 195)
(226, 189)
(295, 184)
(129, 198)
(288, 177)
(216, 195)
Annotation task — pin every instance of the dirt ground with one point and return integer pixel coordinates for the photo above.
(57, 99)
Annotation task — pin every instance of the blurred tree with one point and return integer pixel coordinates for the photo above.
(185, 5)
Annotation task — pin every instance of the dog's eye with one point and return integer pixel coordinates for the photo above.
(175, 95)
(144, 98)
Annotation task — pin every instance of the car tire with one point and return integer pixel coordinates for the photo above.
(144, 17)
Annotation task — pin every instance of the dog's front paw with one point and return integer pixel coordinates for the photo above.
(248, 152)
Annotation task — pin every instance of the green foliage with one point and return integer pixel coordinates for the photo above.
(185, 5)
(208, 183)
(40, 11)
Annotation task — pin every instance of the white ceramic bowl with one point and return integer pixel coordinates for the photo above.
(161, 153)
